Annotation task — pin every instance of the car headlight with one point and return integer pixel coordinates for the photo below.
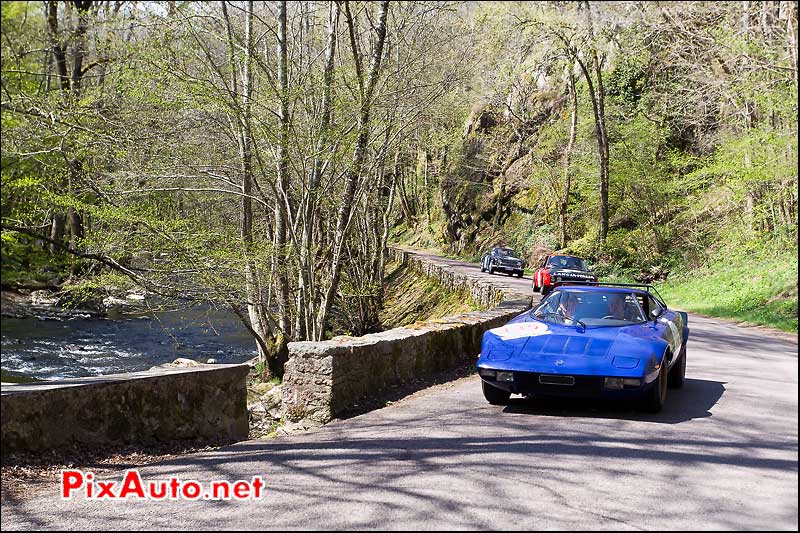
(487, 373)
(621, 383)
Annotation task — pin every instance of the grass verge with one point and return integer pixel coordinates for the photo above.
(760, 291)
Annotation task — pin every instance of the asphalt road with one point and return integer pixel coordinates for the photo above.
(723, 454)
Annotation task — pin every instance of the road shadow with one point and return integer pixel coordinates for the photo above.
(754, 343)
(399, 391)
(694, 400)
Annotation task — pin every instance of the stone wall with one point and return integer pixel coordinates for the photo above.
(484, 293)
(205, 401)
(324, 378)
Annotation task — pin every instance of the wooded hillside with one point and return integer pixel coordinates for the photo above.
(260, 155)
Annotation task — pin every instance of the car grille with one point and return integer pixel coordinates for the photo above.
(571, 276)
(557, 385)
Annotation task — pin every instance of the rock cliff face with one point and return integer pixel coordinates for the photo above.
(323, 378)
(493, 165)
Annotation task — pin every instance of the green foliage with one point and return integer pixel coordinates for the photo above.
(702, 131)
(745, 161)
(757, 289)
(703, 149)
(23, 261)
(628, 79)
(522, 233)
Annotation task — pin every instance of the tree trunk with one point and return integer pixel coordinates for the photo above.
(80, 44)
(282, 185)
(385, 222)
(602, 137)
(788, 12)
(573, 128)
(57, 47)
(307, 293)
(359, 153)
(75, 228)
(57, 231)
(255, 312)
(745, 17)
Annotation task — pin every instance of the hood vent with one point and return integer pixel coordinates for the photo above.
(566, 345)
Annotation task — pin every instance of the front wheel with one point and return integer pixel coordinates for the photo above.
(677, 375)
(657, 395)
(491, 268)
(519, 274)
(494, 395)
(483, 265)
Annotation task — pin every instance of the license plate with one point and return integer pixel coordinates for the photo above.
(549, 379)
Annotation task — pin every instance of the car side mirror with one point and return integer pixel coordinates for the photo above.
(657, 312)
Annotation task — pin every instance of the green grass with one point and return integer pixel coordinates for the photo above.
(759, 291)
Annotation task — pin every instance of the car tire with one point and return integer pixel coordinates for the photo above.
(491, 268)
(657, 395)
(494, 395)
(519, 274)
(677, 375)
(483, 265)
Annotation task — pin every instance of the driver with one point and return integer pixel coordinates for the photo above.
(617, 307)
(567, 305)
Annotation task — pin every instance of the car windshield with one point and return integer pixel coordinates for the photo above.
(565, 261)
(506, 252)
(589, 308)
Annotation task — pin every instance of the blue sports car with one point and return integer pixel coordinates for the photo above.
(593, 341)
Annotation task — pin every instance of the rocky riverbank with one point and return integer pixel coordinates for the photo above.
(51, 305)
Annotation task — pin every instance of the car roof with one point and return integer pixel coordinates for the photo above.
(598, 288)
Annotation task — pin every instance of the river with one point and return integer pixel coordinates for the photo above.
(77, 347)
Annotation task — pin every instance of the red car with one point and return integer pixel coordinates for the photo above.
(558, 268)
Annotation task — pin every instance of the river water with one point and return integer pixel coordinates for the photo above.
(77, 347)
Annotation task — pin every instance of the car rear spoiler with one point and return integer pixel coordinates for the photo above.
(641, 286)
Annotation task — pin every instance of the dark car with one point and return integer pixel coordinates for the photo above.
(559, 269)
(503, 260)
